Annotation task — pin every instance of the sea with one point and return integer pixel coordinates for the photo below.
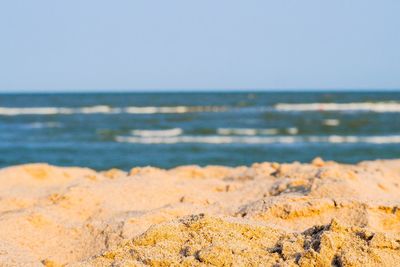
(125, 130)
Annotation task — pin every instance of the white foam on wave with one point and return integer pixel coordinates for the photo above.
(292, 130)
(389, 106)
(218, 139)
(153, 110)
(6, 111)
(247, 131)
(177, 109)
(95, 109)
(29, 111)
(197, 139)
(391, 139)
(40, 125)
(103, 109)
(331, 122)
(158, 133)
(254, 131)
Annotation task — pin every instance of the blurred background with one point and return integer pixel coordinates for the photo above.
(169, 129)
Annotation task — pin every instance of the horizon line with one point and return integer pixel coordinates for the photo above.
(200, 90)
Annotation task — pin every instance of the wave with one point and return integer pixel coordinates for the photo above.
(331, 122)
(254, 131)
(177, 109)
(247, 131)
(217, 139)
(41, 125)
(292, 130)
(6, 111)
(158, 133)
(103, 109)
(364, 106)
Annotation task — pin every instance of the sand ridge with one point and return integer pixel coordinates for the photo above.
(316, 214)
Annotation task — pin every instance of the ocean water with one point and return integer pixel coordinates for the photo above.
(125, 130)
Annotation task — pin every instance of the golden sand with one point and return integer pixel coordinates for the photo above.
(268, 214)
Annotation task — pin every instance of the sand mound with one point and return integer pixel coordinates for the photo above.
(201, 240)
(322, 213)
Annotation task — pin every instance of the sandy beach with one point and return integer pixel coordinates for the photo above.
(316, 214)
(199, 133)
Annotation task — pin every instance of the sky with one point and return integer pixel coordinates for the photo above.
(128, 45)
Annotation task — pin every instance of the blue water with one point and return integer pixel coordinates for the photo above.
(122, 130)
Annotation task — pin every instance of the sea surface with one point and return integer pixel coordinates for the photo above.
(124, 130)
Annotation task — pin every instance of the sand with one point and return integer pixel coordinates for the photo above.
(267, 214)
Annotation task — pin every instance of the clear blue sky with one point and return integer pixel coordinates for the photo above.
(50, 45)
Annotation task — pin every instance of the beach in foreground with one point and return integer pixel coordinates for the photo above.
(316, 214)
